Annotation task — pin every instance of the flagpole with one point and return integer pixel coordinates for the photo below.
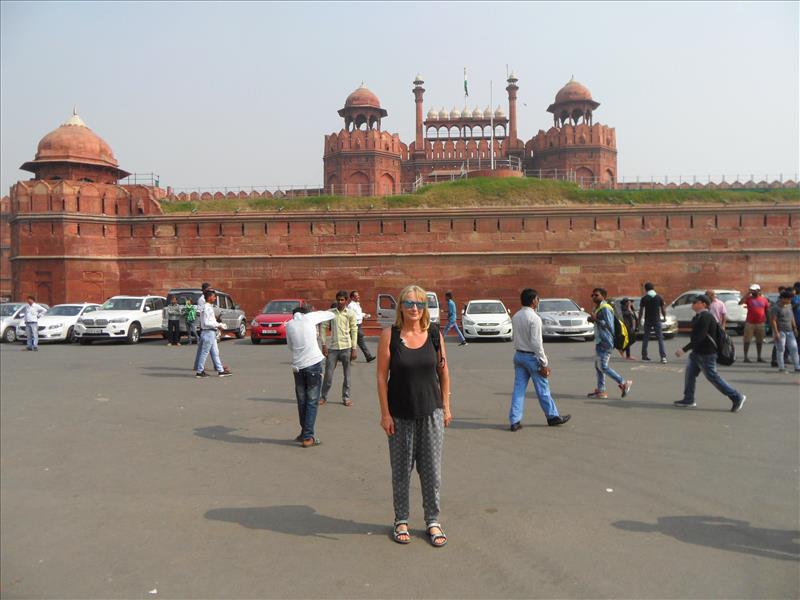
(491, 121)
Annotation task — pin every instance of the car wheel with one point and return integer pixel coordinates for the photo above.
(70, 339)
(255, 340)
(84, 342)
(10, 335)
(589, 338)
(242, 331)
(134, 333)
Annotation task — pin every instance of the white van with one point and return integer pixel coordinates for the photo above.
(387, 309)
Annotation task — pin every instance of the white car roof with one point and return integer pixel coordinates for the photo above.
(703, 291)
(569, 299)
(136, 297)
(487, 300)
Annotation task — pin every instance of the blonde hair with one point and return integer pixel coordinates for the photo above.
(419, 294)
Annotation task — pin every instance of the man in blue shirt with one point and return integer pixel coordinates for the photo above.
(603, 319)
(451, 319)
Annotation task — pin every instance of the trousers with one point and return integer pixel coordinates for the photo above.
(417, 441)
(363, 344)
(786, 341)
(707, 364)
(602, 368)
(208, 344)
(307, 384)
(526, 366)
(336, 356)
(453, 325)
(32, 331)
(655, 327)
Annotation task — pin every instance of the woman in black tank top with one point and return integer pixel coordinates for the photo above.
(414, 395)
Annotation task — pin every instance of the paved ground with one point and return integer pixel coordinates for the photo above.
(122, 474)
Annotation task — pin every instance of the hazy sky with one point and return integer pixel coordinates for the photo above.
(241, 94)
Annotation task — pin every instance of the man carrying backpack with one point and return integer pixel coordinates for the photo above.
(703, 358)
(603, 319)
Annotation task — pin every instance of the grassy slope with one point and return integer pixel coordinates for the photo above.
(485, 191)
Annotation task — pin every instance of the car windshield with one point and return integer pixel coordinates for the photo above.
(281, 307)
(123, 304)
(182, 296)
(432, 301)
(64, 311)
(6, 310)
(557, 306)
(485, 308)
(729, 296)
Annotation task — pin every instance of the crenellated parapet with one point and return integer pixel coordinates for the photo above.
(359, 140)
(82, 198)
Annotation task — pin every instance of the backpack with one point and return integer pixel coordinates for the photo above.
(726, 351)
(622, 337)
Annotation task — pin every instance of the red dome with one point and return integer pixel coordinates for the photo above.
(573, 92)
(362, 97)
(74, 142)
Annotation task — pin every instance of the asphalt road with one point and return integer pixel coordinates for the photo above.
(124, 477)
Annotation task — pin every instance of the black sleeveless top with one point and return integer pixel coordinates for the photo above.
(413, 381)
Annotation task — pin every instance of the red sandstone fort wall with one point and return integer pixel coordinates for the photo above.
(63, 250)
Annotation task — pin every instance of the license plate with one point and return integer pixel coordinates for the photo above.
(94, 330)
(486, 330)
(269, 331)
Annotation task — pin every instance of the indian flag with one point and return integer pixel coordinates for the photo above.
(466, 91)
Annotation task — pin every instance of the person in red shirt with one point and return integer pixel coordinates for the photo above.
(755, 326)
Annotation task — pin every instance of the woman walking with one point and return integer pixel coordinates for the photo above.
(629, 318)
(174, 312)
(414, 395)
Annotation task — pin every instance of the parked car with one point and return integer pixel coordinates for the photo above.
(10, 316)
(58, 323)
(562, 317)
(669, 327)
(122, 318)
(487, 318)
(387, 309)
(270, 323)
(225, 309)
(681, 308)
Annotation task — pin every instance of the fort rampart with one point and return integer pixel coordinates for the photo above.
(89, 242)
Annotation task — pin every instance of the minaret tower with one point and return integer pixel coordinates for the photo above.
(419, 141)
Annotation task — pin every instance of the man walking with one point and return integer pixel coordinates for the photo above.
(755, 324)
(530, 362)
(30, 316)
(344, 337)
(784, 330)
(651, 306)
(355, 306)
(717, 309)
(452, 313)
(704, 357)
(302, 338)
(201, 302)
(208, 338)
(603, 319)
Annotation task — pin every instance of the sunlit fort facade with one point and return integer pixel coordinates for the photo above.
(363, 159)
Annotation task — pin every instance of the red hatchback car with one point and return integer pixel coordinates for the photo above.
(271, 323)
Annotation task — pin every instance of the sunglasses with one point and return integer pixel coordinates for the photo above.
(409, 304)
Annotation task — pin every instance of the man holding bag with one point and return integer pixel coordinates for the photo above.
(530, 362)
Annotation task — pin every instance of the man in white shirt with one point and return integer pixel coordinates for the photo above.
(530, 362)
(355, 306)
(201, 302)
(208, 338)
(30, 316)
(302, 338)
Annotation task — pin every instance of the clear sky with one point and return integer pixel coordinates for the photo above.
(241, 94)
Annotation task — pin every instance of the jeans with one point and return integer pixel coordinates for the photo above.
(526, 366)
(307, 384)
(601, 366)
(208, 343)
(362, 344)
(32, 331)
(786, 340)
(656, 327)
(707, 363)
(174, 331)
(191, 332)
(454, 325)
(335, 356)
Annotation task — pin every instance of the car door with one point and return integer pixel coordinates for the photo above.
(153, 316)
(227, 315)
(682, 308)
(386, 310)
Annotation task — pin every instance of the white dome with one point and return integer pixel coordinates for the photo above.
(432, 115)
(455, 113)
(465, 114)
(443, 114)
(477, 113)
(499, 114)
(487, 113)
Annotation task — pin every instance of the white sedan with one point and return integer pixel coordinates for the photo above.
(487, 319)
(562, 317)
(58, 323)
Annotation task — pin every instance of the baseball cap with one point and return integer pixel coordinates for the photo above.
(755, 287)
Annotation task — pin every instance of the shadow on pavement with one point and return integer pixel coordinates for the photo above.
(622, 403)
(293, 520)
(281, 400)
(475, 424)
(223, 434)
(723, 533)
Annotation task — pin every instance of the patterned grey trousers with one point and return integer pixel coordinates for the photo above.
(417, 440)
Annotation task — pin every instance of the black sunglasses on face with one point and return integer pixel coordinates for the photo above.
(409, 304)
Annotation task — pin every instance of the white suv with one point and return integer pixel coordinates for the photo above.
(122, 318)
(681, 308)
